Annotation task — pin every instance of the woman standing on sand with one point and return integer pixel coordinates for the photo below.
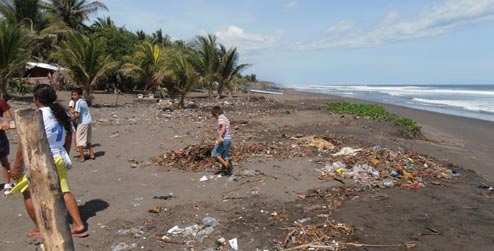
(58, 130)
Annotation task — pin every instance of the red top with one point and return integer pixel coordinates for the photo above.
(3, 107)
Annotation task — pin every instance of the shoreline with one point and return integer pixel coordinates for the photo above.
(448, 109)
(472, 137)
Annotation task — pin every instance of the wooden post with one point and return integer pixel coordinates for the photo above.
(43, 181)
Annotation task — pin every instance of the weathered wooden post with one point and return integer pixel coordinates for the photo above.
(43, 181)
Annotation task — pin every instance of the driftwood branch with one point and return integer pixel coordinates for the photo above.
(43, 181)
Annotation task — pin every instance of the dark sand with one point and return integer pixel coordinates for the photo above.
(115, 195)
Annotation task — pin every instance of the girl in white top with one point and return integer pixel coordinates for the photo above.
(58, 130)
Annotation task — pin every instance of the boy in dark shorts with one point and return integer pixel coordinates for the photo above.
(221, 150)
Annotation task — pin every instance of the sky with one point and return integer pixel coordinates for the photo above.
(334, 42)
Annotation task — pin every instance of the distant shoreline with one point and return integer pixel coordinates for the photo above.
(471, 101)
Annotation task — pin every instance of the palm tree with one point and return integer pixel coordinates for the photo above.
(85, 59)
(147, 64)
(104, 23)
(207, 59)
(27, 12)
(73, 12)
(229, 68)
(14, 52)
(141, 35)
(182, 74)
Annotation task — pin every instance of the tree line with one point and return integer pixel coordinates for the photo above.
(55, 31)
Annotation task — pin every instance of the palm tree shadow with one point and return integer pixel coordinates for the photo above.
(90, 208)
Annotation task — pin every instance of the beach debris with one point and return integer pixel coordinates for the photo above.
(210, 221)
(347, 151)
(164, 197)
(175, 230)
(486, 187)
(203, 178)
(135, 231)
(155, 209)
(233, 243)
(122, 246)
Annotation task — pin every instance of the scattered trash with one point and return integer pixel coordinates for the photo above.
(210, 221)
(388, 183)
(303, 220)
(233, 243)
(155, 209)
(486, 187)
(347, 151)
(203, 178)
(122, 246)
(164, 197)
(175, 230)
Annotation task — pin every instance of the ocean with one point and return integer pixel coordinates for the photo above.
(473, 101)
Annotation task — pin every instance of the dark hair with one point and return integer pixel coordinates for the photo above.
(47, 96)
(216, 110)
(77, 90)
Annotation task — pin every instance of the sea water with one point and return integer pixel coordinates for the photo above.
(474, 101)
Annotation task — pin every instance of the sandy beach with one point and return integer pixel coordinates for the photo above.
(129, 202)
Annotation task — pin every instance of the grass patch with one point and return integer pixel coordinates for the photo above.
(376, 112)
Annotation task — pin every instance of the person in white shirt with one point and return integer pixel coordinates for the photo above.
(84, 124)
(58, 129)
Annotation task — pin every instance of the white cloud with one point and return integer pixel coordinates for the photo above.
(341, 26)
(290, 4)
(244, 41)
(438, 19)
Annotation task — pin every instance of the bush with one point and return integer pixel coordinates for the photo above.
(19, 86)
(375, 112)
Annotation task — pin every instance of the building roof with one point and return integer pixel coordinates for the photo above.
(31, 65)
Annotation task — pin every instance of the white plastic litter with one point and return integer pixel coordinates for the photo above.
(347, 151)
(203, 178)
(233, 243)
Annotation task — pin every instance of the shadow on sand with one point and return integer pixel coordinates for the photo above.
(90, 208)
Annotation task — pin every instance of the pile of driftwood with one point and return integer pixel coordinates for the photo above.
(198, 157)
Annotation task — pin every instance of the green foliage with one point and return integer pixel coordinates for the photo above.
(375, 112)
(181, 73)
(119, 42)
(85, 58)
(410, 124)
(19, 86)
(73, 13)
(14, 51)
(147, 65)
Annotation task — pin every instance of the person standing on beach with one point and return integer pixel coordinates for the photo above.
(84, 124)
(4, 144)
(74, 123)
(58, 129)
(221, 150)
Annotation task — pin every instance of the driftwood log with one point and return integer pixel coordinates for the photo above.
(43, 181)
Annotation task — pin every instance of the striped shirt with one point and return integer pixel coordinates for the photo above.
(222, 119)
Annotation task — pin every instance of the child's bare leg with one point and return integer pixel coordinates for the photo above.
(222, 161)
(74, 135)
(6, 167)
(28, 202)
(73, 210)
(81, 153)
(91, 152)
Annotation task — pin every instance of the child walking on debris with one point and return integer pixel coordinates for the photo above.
(221, 150)
(58, 130)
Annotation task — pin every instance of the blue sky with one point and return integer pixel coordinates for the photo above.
(342, 42)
